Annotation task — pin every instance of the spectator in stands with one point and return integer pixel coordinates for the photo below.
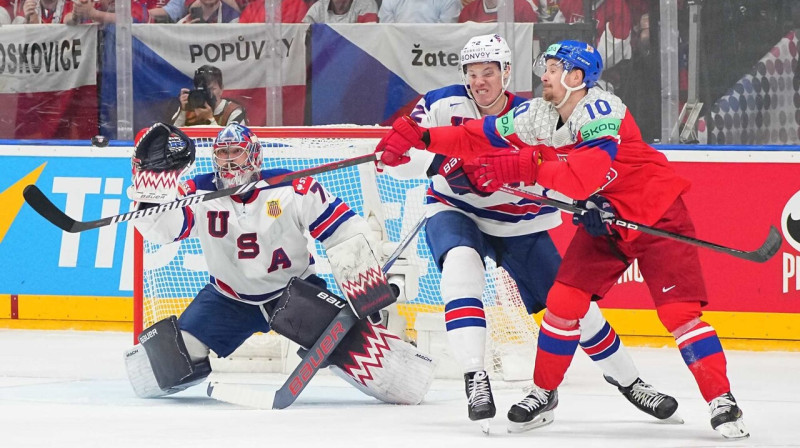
(102, 11)
(175, 10)
(292, 11)
(204, 105)
(614, 25)
(6, 10)
(420, 11)
(211, 11)
(87, 11)
(342, 11)
(42, 11)
(485, 11)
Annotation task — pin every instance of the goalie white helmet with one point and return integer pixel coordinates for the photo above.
(482, 49)
(237, 156)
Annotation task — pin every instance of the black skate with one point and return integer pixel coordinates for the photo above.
(648, 399)
(726, 417)
(480, 403)
(534, 411)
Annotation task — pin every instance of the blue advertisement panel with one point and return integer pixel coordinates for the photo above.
(41, 259)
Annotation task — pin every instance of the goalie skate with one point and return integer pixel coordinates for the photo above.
(480, 402)
(648, 400)
(726, 417)
(534, 411)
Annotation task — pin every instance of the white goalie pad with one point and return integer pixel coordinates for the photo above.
(359, 276)
(388, 369)
(140, 373)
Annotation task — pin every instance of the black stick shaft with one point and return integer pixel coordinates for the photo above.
(45, 207)
(760, 255)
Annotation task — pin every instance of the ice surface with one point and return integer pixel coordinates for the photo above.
(69, 389)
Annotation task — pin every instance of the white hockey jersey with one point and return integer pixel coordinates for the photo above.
(498, 214)
(254, 246)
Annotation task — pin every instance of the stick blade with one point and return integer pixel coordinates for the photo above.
(769, 248)
(246, 395)
(43, 206)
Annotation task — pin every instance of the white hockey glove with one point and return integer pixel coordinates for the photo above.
(161, 156)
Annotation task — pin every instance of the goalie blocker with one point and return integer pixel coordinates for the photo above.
(369, 357)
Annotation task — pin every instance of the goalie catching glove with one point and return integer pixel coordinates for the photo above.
(161, 156)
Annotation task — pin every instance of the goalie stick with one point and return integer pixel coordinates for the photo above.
(317, 355)
(45, 207)
(765, 252)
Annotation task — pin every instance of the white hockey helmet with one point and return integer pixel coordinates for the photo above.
(486, 48)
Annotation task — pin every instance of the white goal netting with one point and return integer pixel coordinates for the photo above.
(172, 274)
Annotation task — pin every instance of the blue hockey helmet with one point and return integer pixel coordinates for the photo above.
(573, 54)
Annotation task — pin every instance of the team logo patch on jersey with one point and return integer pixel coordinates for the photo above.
(274, 208)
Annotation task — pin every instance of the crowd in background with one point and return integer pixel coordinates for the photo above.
(734, 34)
(618, 14)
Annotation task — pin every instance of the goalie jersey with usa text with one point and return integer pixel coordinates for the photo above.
(498, 214)
(254, 246)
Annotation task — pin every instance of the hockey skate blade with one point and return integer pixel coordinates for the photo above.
(674, 419)
(543, 419)
(485, 425)
(241, 395)
(733, 430)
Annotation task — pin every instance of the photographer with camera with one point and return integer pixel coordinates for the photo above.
(204, 104)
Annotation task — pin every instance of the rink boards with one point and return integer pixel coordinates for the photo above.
(53, 279)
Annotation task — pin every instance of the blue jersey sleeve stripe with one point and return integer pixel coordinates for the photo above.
(335, 225)
(490, 130)
(607, 144)
(325, 215)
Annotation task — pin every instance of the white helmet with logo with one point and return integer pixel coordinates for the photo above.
(486, 48)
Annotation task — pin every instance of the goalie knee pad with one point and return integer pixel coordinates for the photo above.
(161, 365)
(303, 312)
(381, 365)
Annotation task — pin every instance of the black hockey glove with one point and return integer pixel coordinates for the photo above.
(452, 169)
(161, 155)
(597, 220)
(163, 147)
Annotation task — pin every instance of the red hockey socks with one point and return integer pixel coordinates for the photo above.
(558, 340)
(699, 345)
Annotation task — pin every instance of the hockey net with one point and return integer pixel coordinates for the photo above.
(168, 277)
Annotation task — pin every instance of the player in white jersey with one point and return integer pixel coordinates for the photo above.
(466, 225)
(254, 245)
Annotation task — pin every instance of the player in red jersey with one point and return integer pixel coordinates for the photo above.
(584, 143)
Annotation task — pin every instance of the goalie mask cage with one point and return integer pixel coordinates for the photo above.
(167, 277)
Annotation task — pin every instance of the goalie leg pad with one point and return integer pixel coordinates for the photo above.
(140, 373)
(359, 276)
(304, 310)
(168, 357)
(382, 365)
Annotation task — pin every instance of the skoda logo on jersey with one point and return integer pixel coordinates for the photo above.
(790, 221)
(274, 208)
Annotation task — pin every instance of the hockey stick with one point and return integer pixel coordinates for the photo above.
(313, 360)
(769, 248)
(45, 207)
